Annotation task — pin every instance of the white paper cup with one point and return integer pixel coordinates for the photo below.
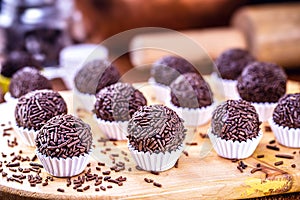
(10, 99)
(155, 161)
(264, 110)
(234, 150)
(113, 130)
(162, 92)
(226, 88)
(193, 116)
(86, 100)
(27, 135)
(286, 136)
(61, 167)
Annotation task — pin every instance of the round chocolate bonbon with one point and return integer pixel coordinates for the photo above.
(155, 128)
(287, 111)
(118, 102)
(64, 136)
(35, 108)
(235, 120)
(190, 90)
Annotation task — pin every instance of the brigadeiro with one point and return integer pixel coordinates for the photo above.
(235, 129)
(34, 109)
(262, 84)
(230, 65)
(164, 71)
(155, 137)
(192, 99)
(26, 80)
(285, 122)
(92, 77)
(63, 145)
(115, 104)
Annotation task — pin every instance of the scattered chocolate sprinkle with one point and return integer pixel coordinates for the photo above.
(34, 158)
(15, 164)
(101, 164)
(293, 165)
(255, 170)
(60, 190)
(86, 187)
(106, 172)
(258, 165)
(33, 164)
(97, 189)
(45, 184)
(278, 163)
(294, 152)
(79, 190)
(234, 160)
(4, 174)
(185, 153)
(191, 143)
(260, 156)
(275, 148)
(268, 129)
(240, 168)
(102, 188)
(272, 141)
(154, 172)
(203, 135)
(284, 156)
(157, 184)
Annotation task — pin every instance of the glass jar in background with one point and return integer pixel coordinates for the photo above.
(35, 28)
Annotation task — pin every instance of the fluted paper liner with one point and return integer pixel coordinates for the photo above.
(264, 110)
(87, 100)
(155, 161)
(27, 135)
(193, 116)
(162, 92)
(113, 130)
(229, 87)
(234, 150)
(64, 167)
(9, 99)
(286, 136)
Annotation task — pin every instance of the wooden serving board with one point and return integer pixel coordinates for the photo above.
(201, 173)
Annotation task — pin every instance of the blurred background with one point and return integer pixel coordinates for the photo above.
(54, 35)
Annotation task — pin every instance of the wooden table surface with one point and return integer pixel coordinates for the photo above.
(200, 172)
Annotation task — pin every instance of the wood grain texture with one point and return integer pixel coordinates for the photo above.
(201, 174)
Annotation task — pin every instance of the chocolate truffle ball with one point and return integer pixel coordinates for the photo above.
(232, 62)
(235, 120)
(287, 112)
(168, 68)
(96, 75)
(190, 90)
(35, 108)
(155, 129)
(262, 82)
(118, 102)
(27, 79)
(64, 136)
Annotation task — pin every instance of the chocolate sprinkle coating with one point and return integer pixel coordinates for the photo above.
(232, 62)
(64, 136)
(96, 75)
(190, 90)
(287, 111)
(35, 108)
(262, 82)
(235, 120)
(26, 80)
(118, 102)
(155, 128)
(168, 68)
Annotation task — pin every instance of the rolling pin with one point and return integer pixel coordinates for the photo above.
(271, 32)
